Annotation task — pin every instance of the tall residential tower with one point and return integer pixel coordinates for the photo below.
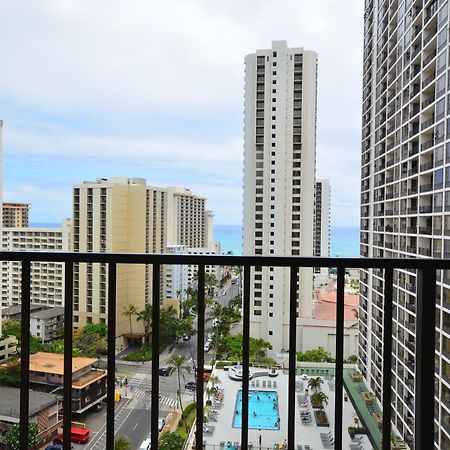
(279, 176)
(405, 192)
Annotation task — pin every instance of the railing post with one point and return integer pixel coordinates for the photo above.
(339, 358)
(292, 355)
(200, 355)
(68, 344)
(387, 356)
(245, 355)
(111, 364)
(25, 354)
(425, 350)
(156, 274)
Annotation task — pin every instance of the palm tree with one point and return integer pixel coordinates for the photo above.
(146, 316)
(122, 443)
(210, 283)
(320, 398)
(130, 311)
(315, 383)
(179, 362)
(214, 379)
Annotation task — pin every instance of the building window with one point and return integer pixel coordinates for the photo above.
(270, 333)
(257, 312)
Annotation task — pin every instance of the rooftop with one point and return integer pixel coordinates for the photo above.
(54, 363)
(48, 313)
(17, 310)
(325, 306)
(88, 378)
(10, 404)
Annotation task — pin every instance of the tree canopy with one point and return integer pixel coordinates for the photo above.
(170, 441)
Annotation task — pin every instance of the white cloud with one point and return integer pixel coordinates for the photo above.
(116, 62)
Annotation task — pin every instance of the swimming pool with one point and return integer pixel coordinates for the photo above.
(263, 411)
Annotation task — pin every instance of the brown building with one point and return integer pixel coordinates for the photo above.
(44, 410)
(88, 383)
(15, 215)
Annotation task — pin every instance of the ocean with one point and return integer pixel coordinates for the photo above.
(344, 241)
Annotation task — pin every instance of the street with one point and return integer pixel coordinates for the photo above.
(132, 417)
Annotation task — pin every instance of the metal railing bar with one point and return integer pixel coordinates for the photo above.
(245, 355)
(292, 355)
(225, 260)
(387, 356)
(68, 343)
(200, 355)
(111, 365)
(156, 277)
(425, 345)
(25, 354)
(339, 358)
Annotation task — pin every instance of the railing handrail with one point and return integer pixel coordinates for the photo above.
(226, 260)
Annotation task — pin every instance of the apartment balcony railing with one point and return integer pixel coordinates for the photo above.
(425, 336)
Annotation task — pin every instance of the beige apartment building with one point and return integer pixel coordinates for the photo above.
(125, 215)
(47, 278)
(279, 177)
(15, 215)
(116, 215)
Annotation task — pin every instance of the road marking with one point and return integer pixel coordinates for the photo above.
(135, 426)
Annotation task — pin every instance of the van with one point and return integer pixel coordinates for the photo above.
(146, 445)
(77, 435)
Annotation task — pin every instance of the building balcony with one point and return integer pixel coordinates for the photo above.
(422, 370)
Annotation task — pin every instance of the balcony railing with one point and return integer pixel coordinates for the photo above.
(425, 336)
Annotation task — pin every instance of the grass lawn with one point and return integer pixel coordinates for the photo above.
(188, 417)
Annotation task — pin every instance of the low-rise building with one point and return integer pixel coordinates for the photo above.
(320, 331)
(15, 215)
(88, 383)
(44, 410)
(47, 324)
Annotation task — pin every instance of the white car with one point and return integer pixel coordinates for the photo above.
(146, 445)
(161, 423)
(207, 347)
(209, 338)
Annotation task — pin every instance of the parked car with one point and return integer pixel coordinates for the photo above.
(207, 347)
(186, 337)
(190, 386)
(146, 445)
(161, 423)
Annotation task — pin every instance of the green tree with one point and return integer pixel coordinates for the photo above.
(236, 302)
(122, 443)
(315, 383)
(320, 398)
(101, 329)
(12, 328)
(170, 441)
(315, 355)
(210, 283)
(12, 436)
(179, 362)
(232, 346)
(146, 315)
(130, 311)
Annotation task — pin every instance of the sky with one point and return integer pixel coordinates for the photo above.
(99, 88)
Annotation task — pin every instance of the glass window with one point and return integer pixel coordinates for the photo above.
(440, 106)
(442, 14)
(437, 201)
(437, 224)
(438, 176)
(442, 38)
(441, 61)
(447, 224)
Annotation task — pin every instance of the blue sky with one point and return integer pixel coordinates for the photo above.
(104, 88)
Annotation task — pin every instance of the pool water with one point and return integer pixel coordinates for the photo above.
(263, 411)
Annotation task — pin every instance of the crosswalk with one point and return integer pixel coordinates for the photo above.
(146, 395)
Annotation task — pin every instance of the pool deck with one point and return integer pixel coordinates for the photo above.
(305, 434)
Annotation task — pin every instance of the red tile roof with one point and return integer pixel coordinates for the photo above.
(325, 305)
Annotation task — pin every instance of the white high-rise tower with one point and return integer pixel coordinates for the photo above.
(279, 176)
